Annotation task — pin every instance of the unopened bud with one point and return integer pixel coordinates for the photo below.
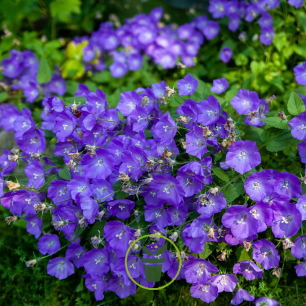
(11, 185)
(31, 263)
(247, 245)
(10, 219)
(174, 236)
(222, 256)
(287, 243)
(277, 272)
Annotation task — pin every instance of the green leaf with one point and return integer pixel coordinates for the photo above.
(65, 174)
(257, 67)
(143, 296)
(295, 104)
(208, 249)
(278, 141)
(280, 41)
(3, 96)
(44, 73)
(220, 174)
(62, 9)
(97, 229)
(202, 92)
(119, 194)
(232, 191)
(242, 254)
(276, 122)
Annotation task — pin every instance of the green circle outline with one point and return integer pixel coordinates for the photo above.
(129, 249)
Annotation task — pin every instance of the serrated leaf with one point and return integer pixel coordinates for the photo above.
(220, 174)
(208, 249)
(276, 122)
(44, 73)
(295, 104)
(65, 174)
(232, 191)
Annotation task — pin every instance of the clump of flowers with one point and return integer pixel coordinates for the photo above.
(147, 167)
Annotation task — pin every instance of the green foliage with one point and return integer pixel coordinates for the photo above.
(44, 72)
(295, 104)
(62, 9)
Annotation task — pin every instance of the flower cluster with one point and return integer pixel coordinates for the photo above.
(122, 168)
(21, 71)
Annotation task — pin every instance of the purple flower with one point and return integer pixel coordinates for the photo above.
(224, 282)
(248, 269)
(226, 54)
(296, 3)
(60, 267)
(118, 69)
(31, 92)
(99, 166)
(240, 221)
(245, 101)
(32, 142)
(34, 225)
(302, 151)
(195, 234)
(265, 253)
(288, 185)
(287, 220)
(191, 177)
(123, 290)
(300, 74)
(118, 236)
(301, 269)
(263, 213)
(81, 185)
(165, 129)
(96, 262)
(198, 271)
(75, 252)
(65, 124)
(120, 208)
(95, 284)
(258, 186)
(219, 85)
(217, 8)
(234, 22)
(265, 20)
(211, 30)
(167, 188)
(36, 174)
(266, 35)
(48, 244)
(209, 204)
(208, 111)
(58, 191)
(243, 156)
(187, 86)
(196, 142)
(89, 207)
(23, 124)
(265, 301)
(298, 125)
(240, 296)
(301, 206)
(207, 292)
(299, 248)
